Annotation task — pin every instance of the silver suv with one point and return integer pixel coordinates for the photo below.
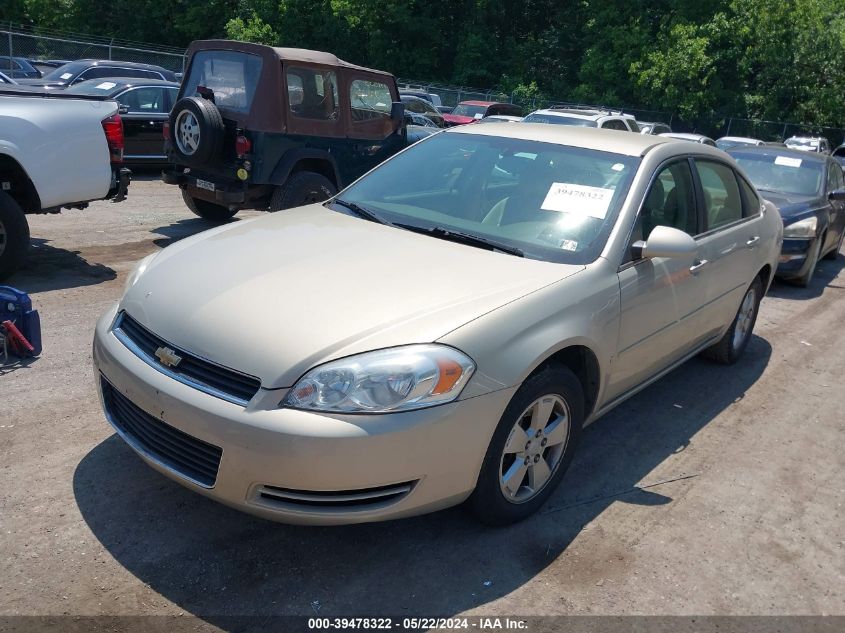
(585, 117)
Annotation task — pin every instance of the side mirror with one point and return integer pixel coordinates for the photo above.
(122, 109)
(837, 194)
(397, 112)
(665, 241)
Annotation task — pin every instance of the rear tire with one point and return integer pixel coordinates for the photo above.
(14, 235)
(207, 210)
(507, 490)
(732, 345)
(301, 188)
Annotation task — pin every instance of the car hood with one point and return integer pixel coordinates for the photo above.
(793, 205)
(275, 296)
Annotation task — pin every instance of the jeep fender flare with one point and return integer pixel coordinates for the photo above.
(288, 162)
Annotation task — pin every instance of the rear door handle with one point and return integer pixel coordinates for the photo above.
(697, 266)
(751, 243)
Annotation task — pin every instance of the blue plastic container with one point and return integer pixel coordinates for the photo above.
(16, 306)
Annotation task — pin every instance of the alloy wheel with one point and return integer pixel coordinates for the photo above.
(745, 318)
(535, 447)
(187, 132)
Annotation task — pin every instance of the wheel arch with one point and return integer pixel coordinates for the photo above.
(306, 159)
(582, 361)
(21, 187)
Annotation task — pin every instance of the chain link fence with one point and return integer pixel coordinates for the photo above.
(19, 41)
(44, 45)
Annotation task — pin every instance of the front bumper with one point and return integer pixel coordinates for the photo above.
(435, 453)
(793, 261)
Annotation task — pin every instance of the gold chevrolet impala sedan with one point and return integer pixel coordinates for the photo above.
(440, 331)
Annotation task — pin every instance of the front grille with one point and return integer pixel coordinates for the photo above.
(360, 499)
(182, 453)
(214, 379)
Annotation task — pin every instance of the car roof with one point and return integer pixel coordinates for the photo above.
(116, 63)
(769, 150)
(740, 138)
(618, 142)
(584, 113)
(482, 103)
(283, 53)
(90, 86)
(684, 136)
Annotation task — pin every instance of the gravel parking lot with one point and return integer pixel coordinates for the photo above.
(715, 491)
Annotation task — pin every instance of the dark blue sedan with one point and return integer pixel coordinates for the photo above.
(809, 191)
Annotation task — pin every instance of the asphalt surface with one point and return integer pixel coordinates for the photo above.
(718, 490)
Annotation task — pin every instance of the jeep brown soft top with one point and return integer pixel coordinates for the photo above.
(270, 128)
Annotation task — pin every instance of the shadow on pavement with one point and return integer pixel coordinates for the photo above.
(51, 268)
(215, 562)
(183, 228)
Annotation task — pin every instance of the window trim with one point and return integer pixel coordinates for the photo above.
(628, 263)
(703, 216)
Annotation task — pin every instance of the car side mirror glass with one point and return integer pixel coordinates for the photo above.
(122, 109)
(837, 194)
(397, 112)
(665, 241)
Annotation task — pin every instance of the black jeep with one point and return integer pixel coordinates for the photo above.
(257, 127)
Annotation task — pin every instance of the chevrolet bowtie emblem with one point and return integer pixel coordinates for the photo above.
(168, 357)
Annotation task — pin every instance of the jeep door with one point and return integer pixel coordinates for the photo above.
(372, 136)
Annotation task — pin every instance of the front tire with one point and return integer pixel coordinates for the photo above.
(207, 210)
(14, 235)
(301, 188)
(531, 448)
(732, 345)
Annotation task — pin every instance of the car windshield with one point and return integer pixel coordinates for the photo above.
(724, 144)
(64, 73)
(802, 143)
(782, 173)
(558, 119)
(552, 202)
(463, 109)
(231, 75)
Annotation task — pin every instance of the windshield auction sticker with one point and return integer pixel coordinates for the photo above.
(786, 161)
(567, 197)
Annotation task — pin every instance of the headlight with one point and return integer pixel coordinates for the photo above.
(140, 269)
(803, 228)
(396, 379)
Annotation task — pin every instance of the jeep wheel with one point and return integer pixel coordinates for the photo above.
(196, 130)
(207, 210)
(14, 235)
(301, 188)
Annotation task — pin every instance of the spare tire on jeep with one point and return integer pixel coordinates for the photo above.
(196, 130)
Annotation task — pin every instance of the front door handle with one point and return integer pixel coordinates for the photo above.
(697, 266)
(751, 243)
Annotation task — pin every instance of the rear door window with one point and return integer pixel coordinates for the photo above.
(231, 75)
(144, 100)
(722, 200)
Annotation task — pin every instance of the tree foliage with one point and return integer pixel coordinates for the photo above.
(776, 59)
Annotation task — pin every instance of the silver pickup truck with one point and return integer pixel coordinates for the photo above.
(56, 151)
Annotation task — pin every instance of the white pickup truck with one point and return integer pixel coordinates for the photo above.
(56, 151)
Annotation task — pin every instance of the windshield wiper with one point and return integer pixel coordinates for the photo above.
(363, 212)
(465, 238)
